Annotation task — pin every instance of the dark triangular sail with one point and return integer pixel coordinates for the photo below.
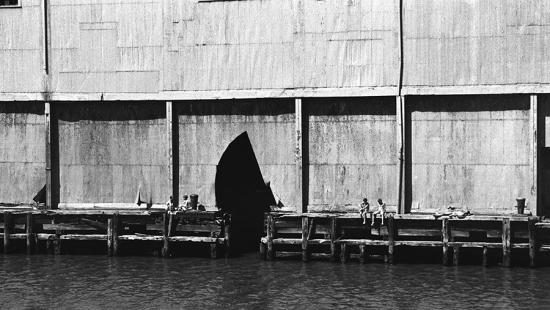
(240, 190)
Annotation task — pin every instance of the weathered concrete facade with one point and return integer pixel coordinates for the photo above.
(469, 151)
(22, 151)
(339, 100)
(206, 128)
(352, 151)
(107, 151)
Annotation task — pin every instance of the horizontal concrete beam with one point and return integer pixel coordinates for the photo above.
(282, 93)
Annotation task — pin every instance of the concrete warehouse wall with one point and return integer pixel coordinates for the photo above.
(352, 151)
(460, 43)
(163, 47)
(279, 44)
(21, 48)
(469, 151)
(207, 127)
(108, 150)
(22, 155)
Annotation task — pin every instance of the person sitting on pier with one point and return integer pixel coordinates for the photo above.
(381, 210)
(364, 210)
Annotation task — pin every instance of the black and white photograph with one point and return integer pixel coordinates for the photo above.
(274, 154)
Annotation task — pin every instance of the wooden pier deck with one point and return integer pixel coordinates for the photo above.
(53, 228)
(344, 236)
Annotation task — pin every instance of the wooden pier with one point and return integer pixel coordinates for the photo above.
(344, 236)
(51, 230)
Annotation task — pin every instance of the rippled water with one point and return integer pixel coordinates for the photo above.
(100, 282)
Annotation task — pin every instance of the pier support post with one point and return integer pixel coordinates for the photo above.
(445, 232)
(30, 235)
(165, 235)
(115, 231)
(49, 245)
(344, 253)
(333, 233)
(8, 226)
(57, 242)
(227, 235)
(270, 234)
(532, 241)
(305, 230)
(391, 239)
(214, 250)
(506, 243)
(362, 253)
(485, 261)
(110, 237)
(456, 255)
(263, 250)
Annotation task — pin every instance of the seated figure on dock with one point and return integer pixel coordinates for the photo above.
(381, 210)
(184, 204)
(170, 204)
(364, 210)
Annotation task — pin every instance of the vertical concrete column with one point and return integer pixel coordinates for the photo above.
(401, 148)
(301, 185)
(48, 132)
(52, 156)
(170, 143)
(534, 159)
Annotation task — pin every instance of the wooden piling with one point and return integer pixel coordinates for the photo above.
(333, 234)
(344, 253)
(391, 239)
(305, 230)
(213, 250)
(110, 237)
(227, 237)
(115, 232)
(165, 235)
(270, 234)
(263, 250)
(30, 235)
(49, 245)
(445, 232)
(362, 253)
(57, 242)
(506, 243)
(456, 255)
(485, 253)
(8, 225)
(532, 241)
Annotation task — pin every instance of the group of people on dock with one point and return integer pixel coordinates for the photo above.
(364, 210)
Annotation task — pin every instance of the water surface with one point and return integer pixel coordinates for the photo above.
(99, 282)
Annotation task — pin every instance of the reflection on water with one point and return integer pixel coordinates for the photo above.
(99, 282)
